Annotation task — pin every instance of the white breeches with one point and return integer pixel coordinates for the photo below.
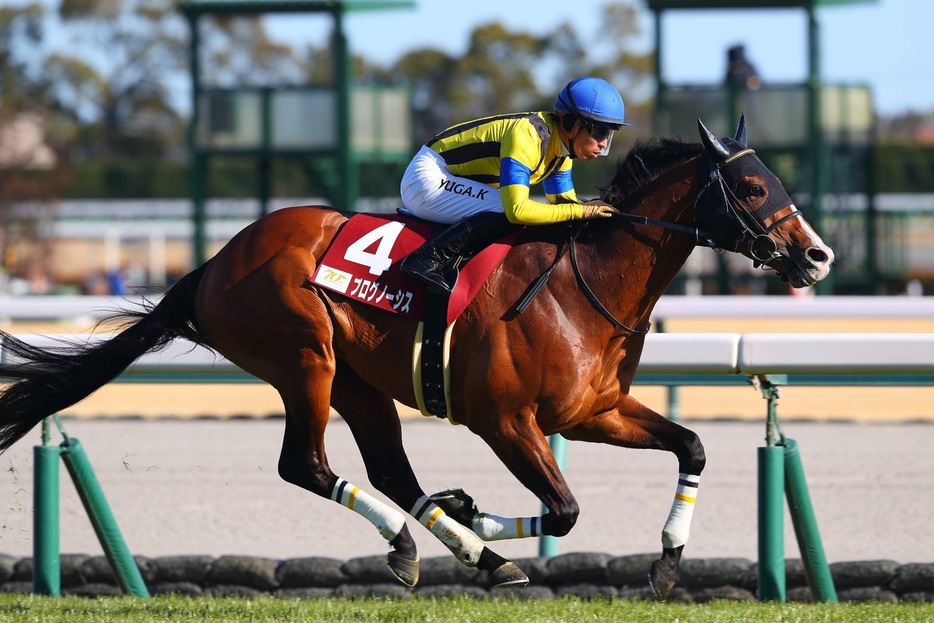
(431, 192)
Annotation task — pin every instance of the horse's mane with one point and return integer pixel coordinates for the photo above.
(644, 161)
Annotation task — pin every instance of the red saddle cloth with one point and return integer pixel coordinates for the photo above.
(362, 263)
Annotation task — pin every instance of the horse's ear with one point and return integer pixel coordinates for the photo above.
(741, 130)
(712, 143)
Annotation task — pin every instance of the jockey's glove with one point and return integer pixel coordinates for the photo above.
(598, 209)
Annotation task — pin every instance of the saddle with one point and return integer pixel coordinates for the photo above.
(362, 263)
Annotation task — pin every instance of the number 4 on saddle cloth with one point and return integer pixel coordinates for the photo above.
(362, 263)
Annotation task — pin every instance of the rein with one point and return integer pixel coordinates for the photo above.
(759, 244)
(701, 237)
(754, 235)
(539, 283)
(593, 297)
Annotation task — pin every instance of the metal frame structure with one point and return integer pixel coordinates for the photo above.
(818, 158)
(194, 10)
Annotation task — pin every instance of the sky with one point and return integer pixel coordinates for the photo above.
(885, 44)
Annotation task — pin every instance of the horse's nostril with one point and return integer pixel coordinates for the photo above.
(817, 255)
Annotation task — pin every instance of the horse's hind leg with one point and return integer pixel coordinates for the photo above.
(303, 462)
(375, 424)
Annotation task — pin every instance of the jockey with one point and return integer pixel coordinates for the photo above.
(477, 175)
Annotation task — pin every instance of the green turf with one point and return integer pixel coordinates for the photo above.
(26, 608)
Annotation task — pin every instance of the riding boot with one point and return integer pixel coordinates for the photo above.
(435, 263)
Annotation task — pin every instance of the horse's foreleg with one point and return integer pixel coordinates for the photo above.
(633, 425)
(487, 526)
(524, 450)
(303, 462)
(465, 545)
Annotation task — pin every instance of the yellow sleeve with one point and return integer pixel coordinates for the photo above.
(519, 208)
(566, 197)
(521, 152)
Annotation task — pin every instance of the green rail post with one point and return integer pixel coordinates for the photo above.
(674, 392)
(46, 571)
(816, 568)
(92, 496)
(771, 509)
(771, 525)
(548, 545)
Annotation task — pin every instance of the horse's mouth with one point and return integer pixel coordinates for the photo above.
(798, 275)
(801, 279)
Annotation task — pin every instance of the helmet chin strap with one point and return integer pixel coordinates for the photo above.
(571, 139)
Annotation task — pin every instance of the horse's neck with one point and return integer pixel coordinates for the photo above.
(651, 256)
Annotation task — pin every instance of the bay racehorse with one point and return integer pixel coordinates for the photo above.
(522, 367)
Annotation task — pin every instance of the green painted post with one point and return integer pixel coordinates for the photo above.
(197, 169)
(347, 192)
(771, 524)
(548, 545)
(674, 393)
(771, 460)
(264, 158)
(92, 496)
(816, 568)
(46, 572)
(674, 403)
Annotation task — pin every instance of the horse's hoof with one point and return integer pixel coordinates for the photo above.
(508, 575)
(405, 569)
(661, 580)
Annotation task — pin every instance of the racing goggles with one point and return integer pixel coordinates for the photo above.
(599, 132)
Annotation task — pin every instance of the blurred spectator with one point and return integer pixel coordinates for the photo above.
(116, 282)
(95, 284)
(135, 276)
(739, 71)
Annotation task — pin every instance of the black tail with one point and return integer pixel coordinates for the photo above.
(47, 381)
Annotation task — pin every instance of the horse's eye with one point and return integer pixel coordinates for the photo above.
(756, 191)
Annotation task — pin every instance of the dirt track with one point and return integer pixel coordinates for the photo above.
(184, 485)
(210, 487)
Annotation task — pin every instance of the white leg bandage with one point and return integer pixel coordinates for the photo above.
(465, 545)
(678, 527)
(388, 521)
(495, 528)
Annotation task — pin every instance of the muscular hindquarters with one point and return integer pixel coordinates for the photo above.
(251, 303)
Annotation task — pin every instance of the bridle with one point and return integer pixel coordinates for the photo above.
(752, 233)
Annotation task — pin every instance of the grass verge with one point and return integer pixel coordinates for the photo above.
(25, 608)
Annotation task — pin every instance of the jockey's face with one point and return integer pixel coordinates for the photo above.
(600, 139)
(587, 140)
(591, 140)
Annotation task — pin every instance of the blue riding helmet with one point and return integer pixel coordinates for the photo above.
(593, 99)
